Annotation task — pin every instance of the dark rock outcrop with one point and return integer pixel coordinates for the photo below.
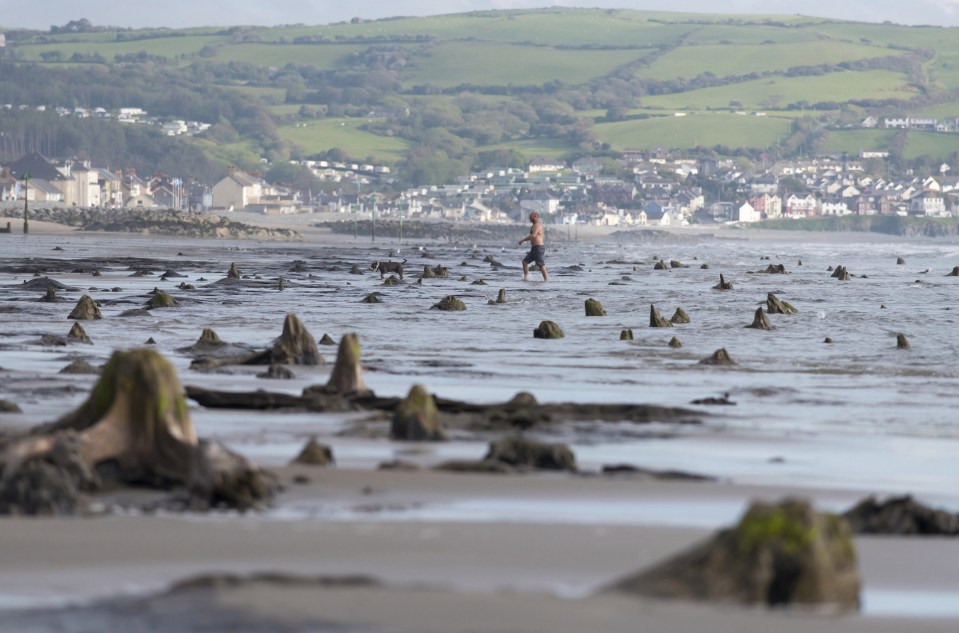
(902, 516)
(527, 454)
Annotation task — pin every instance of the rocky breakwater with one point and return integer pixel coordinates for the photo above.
(160, 222)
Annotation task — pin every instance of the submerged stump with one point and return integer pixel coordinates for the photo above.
(347, 375)
(626, 335)
(79, 335)
(594, 308)
(723, 284)
(86, 309)
(656, 319)
(679, 316)
(774, 305)
(719, 357)
(760, 321)
(450, 303)
(523, 453)
(547, 330)
(416, 418)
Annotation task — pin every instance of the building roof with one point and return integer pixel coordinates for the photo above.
(35, 166)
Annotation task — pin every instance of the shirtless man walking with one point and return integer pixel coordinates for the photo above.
(537, 241)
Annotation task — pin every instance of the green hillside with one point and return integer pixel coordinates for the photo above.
(433, 96)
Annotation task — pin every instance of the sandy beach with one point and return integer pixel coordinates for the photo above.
(426, 576)
(353, 548)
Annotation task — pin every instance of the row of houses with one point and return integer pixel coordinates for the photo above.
(170, 127)
(925, 124)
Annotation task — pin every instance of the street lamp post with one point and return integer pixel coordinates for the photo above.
(26, 187)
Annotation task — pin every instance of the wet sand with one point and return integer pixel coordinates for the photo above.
(480, 576)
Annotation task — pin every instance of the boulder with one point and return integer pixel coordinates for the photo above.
(415, 418)
(548, 329)
(450, 303)
(315, 454)
(901, 341)
(626, 335)
(524, 453)
(719, 357)
(594, 308)
(901, 516)
(679, 316)
(776, 306)
(347, 374)
(78, 335)
(86, 309)
(783, 554)
(675, 343)
(723, 284)
(656, 319)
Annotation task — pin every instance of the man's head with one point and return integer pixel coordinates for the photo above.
(534, 216)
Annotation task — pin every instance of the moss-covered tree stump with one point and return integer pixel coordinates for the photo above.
(86, 309)
(416, 418)
(347, 374)
(450, 303)
(778, 555)
(656, 319)
(594, 308)
(548, 330)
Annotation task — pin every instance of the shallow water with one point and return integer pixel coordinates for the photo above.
(857, 414)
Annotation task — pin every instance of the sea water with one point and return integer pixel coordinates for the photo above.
(856, 413)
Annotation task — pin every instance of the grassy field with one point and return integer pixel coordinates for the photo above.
(779, 92)
(325, 134)
(938, 146)
(699, 130)
(162, 46)
(321, 56)
(855, 141)
(558, 26)
(485, 63)
(536, 148)
(724, 60)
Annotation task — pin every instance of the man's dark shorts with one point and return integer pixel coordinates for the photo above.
(535, 254)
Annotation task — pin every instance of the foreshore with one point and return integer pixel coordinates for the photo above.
(481, 574)
(425, 551)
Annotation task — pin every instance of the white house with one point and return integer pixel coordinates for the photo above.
(238, 190)
(747, 213)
